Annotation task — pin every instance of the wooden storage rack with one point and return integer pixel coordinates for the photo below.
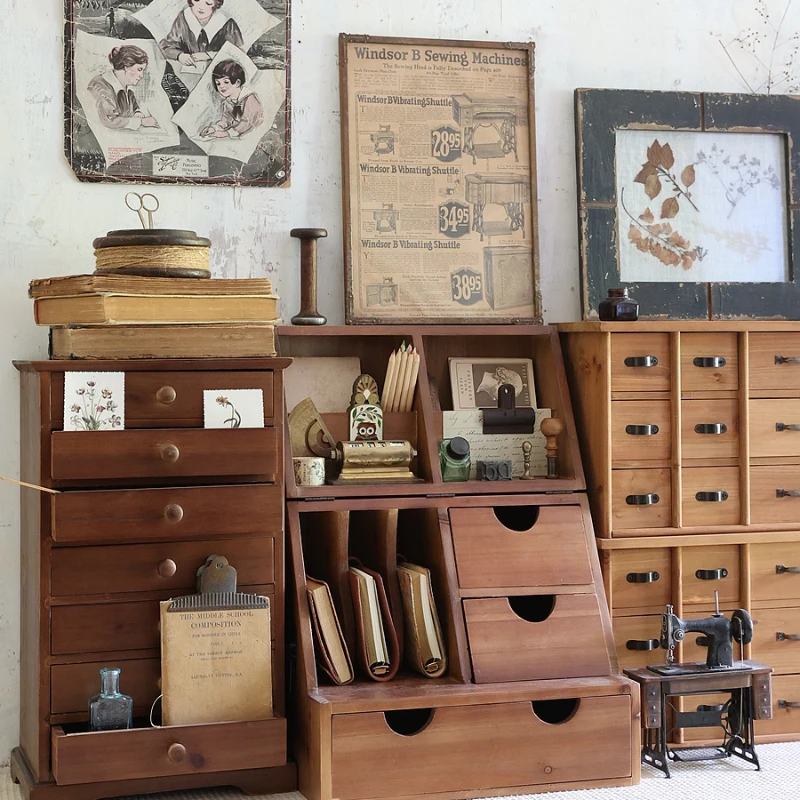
(532, 668)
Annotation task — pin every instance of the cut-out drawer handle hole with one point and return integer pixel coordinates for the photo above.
(533, 608)
(517, 518)
(409, 721)
(641, 361)
(556, 712)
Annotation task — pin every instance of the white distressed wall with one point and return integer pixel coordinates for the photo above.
(49, 219)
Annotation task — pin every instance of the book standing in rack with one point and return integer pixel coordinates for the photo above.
(425, 651)
(332, 653)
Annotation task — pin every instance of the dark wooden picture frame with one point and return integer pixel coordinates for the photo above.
(354, 313)
(599, 113)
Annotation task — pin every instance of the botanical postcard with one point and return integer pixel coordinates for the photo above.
(233, 408)
(698, 207)
(474, 382)
(94, 401)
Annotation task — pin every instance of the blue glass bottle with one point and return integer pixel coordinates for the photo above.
(110, 710)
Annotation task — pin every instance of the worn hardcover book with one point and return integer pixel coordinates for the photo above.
(69, 285)
(119, 309)
(425, 651)
(163, 341)
(216, 659)
(332, 654)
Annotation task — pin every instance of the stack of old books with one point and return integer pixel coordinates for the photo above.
(121, 316)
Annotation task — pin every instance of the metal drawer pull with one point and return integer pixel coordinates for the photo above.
(787, 493)
(642, 499)
(712, 361)
(787, 360)
(641, 361)
(166, 395)
(780, 636)
(788, 704)
(781, 570)
(173, 512)
(711, 574)
(782, 426)
(711, 427)
(642, 577)
(641, 430)
(711, 497)
(170, 453)
(167, 568)
(642, 644)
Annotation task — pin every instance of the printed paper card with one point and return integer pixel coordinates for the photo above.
(233, 408)
(94, 401)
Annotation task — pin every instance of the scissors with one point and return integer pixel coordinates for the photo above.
(142, 207)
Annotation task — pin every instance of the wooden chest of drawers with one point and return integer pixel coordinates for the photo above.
(690, 435)
(137, 512)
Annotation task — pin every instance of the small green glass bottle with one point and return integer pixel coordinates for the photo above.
(455, 459)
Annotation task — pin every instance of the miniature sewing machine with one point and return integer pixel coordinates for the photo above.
(748, 683)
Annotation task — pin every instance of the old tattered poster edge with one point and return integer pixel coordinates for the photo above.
(354, 314)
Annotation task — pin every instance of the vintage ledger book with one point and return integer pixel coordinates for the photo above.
(376, 639)
(425, 650)
(138, 285)
(331, 648)
(119, 309)
(216, 659)
(163, 341)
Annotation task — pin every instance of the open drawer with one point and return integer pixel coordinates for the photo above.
(161, 752)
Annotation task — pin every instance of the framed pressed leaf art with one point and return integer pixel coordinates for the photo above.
(690, 201)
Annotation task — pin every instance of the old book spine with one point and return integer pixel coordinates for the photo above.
(136, 285)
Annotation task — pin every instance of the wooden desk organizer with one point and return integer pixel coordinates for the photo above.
(516, 578)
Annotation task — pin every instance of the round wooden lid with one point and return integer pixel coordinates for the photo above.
(150, 237)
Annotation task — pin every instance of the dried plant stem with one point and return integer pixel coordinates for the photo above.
(738, 71)
(775, 46)
(664, 173)
(635, 221)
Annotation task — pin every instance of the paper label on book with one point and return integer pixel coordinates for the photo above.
(497, 446)
(216, 665)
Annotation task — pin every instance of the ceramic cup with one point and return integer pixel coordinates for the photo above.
(309, 471)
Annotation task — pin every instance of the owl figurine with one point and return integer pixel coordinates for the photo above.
(365, 413)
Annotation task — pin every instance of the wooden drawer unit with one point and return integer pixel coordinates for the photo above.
(135, 514)
(709, 569)
(640, 579)
(159, 752)
(174, 399)
(641, 430)
(172, 514)
(535, 637)
(158, 566)
(640, 362)
(776, 638)
(774, 363)
(785, 722)
(774, 428)
(775, 495)
(490, 553)
(711, 496)
(709, 361)
(710, 429)
(141, 456)
(637, 641)
(456, 747)
(641, 498)
(775, 572)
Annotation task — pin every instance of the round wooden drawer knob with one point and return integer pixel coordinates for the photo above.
(167, 568)
(170, 453)
(176, 753)
(173, 513)
(166, 395)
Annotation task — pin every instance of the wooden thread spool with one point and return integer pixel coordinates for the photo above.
(308, 276)
(551, 428)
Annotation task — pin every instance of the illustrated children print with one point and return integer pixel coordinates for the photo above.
(241, 108)
(117, 106)
(365, 414)
(199, 32)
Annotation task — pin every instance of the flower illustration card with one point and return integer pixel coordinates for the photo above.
(94, 401)
(233, 408)
(701, 206)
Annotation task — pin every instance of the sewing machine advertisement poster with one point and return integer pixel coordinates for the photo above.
(439, 163)
(178, 91)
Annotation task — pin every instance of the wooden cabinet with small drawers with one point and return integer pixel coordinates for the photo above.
(134, 514)
(690, 437)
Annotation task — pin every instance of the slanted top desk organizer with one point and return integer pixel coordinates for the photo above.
(531, 700)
